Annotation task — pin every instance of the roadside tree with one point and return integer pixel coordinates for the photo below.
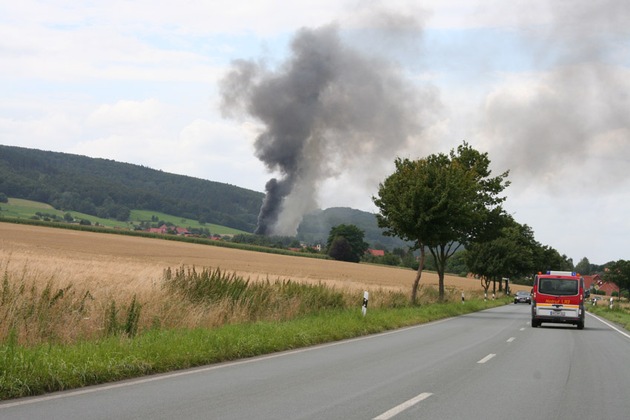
(345, 243)
(547, 258)
(618, 272)
(509, 255)
(583, 267)
(440, 203)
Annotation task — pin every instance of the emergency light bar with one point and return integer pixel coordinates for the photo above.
(562, 273)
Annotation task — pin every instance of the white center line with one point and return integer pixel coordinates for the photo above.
(402, 407)
(509, 340)
(609, 325)
(488, 357)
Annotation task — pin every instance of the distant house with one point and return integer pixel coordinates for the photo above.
(597, 283)
(376, 252)
(163, 230)
(181, 231)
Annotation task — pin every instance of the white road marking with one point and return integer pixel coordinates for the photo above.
(488, 357)
(509, 340)
(522, 329)
(402, 407)
(610, 325)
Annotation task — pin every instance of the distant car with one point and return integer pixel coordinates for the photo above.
(523, 297)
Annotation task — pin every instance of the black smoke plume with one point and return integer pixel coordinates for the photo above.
(327, 107)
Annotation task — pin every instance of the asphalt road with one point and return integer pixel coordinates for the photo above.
(486, 365)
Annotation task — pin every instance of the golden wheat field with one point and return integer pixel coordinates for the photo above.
(132, 264)
(65, 285)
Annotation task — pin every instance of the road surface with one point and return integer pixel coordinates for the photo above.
(485, 365)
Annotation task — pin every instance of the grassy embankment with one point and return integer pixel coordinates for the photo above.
(620, 314)
(61, 337)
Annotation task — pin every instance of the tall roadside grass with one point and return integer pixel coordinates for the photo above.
(253, 301)
(38, 308)
(57, 336)
(34, 311)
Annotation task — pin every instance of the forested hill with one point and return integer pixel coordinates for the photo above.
(316, 226)
(110, 189)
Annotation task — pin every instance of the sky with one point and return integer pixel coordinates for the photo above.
(206, 88)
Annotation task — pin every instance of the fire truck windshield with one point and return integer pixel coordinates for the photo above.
(558, 287)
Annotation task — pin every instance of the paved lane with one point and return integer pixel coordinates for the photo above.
(487, 365)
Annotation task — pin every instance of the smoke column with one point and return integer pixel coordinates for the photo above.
(327, 106)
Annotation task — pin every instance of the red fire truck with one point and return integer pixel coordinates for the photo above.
(558, 297)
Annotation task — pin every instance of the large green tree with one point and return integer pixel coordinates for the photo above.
(441, 202)
(547, 258)
(618, 272)
(510, 255)
(345, 243)
(583, 267)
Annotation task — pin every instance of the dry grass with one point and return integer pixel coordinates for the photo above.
(134, 264)
(93, 270)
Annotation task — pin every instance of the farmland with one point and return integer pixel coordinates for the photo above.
(135, 263)
(81, 308)
(75, 284)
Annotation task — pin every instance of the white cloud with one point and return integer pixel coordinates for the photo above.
(125, 113)
(48, 132)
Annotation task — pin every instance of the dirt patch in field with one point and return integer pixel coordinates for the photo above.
(133, 263)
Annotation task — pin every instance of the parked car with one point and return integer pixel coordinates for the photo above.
(523, 297)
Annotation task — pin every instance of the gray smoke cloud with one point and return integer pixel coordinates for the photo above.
(326, 107)
(572, 119)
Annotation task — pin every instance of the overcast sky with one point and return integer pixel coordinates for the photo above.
(542, 86)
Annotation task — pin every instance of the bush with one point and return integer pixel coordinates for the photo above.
(624, 294)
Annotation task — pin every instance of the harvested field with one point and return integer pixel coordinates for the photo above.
(135, 264)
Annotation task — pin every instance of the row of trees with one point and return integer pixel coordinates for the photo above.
(513, 253)
(440, 203)
(443, 202)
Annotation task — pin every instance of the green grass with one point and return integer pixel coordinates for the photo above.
(27, 209)
(53, 367)
(16, 207)
(138, 216)
(619, 314)
(26, 205)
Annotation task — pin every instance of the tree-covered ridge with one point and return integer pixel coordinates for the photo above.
(106, 188)
(316, 226)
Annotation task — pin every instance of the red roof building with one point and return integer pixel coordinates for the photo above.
(376, 252)
(596, 282)
(165, 229)
(162, 229)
